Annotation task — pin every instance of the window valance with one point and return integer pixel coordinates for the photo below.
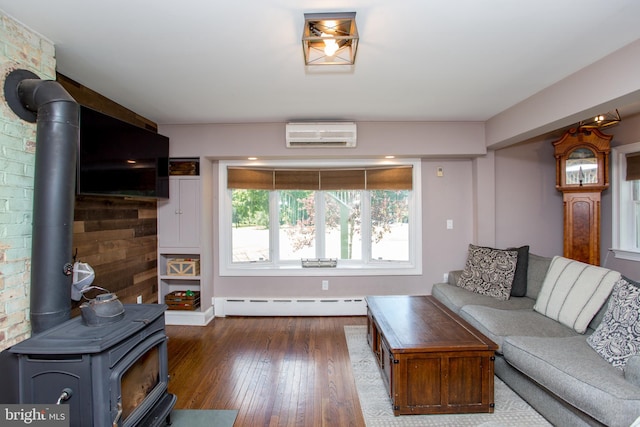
(633, 166)
(363, 178)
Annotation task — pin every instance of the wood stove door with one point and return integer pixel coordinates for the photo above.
(43, 381)
(139, 381)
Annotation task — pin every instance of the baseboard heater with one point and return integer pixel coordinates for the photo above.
(290, 307)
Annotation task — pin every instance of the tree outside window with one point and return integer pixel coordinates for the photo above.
(275, 214)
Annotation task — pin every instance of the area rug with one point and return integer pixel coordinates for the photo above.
(510, 409)
(203, 418)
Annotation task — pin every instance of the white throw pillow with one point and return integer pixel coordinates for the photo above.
(573, 292)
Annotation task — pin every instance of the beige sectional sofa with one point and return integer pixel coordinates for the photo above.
(544, 351)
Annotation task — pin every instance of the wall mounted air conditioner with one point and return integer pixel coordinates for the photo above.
(321, 134)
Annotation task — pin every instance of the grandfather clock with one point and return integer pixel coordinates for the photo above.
(582, 173)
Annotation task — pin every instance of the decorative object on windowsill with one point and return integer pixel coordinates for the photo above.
(319, 262)
(330, 38)
(582, 173)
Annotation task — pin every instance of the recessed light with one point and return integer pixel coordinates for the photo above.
(389, 157)
(252, 158)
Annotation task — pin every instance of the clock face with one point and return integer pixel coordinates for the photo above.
(581, 167)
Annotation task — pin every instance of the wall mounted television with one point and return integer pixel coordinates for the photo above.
(116, 158)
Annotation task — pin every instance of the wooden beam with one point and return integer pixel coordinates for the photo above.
(92, 99)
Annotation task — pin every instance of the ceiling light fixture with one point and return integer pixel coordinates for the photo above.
(601, 121)
(330, 38)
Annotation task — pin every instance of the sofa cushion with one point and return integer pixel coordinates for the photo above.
(632, 370)
(498, 324)
(455, 298)
(571, 370)
(489, 271)
(536, 272)
(573, 292)
(519, 285)
(453, 277)
(618, 336)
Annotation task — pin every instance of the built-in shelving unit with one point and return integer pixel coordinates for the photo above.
(180, 238)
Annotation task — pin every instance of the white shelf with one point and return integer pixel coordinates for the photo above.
(188, 318)
(168, 283)
(172, 277)
(184, 232)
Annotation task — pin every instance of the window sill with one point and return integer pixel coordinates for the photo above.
(296, 270)
(626, 254)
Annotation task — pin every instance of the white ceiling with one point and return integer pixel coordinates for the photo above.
(197, 61)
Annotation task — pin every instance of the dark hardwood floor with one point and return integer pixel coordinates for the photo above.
(276, 371)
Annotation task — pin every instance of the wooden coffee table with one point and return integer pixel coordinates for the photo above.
(432, 361)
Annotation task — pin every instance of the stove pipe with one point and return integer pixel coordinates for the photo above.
(58, 130)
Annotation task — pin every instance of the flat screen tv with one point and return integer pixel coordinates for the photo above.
(119, 159)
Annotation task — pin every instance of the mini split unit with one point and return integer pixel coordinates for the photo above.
(321, 135)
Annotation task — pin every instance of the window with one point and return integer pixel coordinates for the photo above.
(363, 214)
(626, 201)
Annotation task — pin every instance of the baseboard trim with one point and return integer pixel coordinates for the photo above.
(188, 318)
(248, 306)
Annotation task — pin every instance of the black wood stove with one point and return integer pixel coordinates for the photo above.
(114, 374)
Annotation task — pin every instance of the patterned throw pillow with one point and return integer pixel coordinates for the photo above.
(618, 336)
(489, 271)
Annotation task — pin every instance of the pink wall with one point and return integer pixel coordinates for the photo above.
(448, 197)
(375, 139)
(529, 209)
(504, 198)
(528, 206)
(483, 211)
(609, 83)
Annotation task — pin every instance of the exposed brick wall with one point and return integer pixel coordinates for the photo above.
(20, 48)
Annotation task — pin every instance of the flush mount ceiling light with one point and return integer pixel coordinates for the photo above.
(601, 121)
(330, 38)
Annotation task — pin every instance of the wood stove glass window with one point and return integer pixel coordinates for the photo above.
(139, 380)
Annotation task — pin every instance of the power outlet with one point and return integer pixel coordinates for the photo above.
(139, 299)
(325, 285)
(445, 277)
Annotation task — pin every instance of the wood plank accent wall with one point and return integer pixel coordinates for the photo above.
(118, 238)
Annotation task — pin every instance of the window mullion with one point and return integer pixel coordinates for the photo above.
(319, 200)
(413, 225)
(635, 213)
(365, 228)
(274, 227)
